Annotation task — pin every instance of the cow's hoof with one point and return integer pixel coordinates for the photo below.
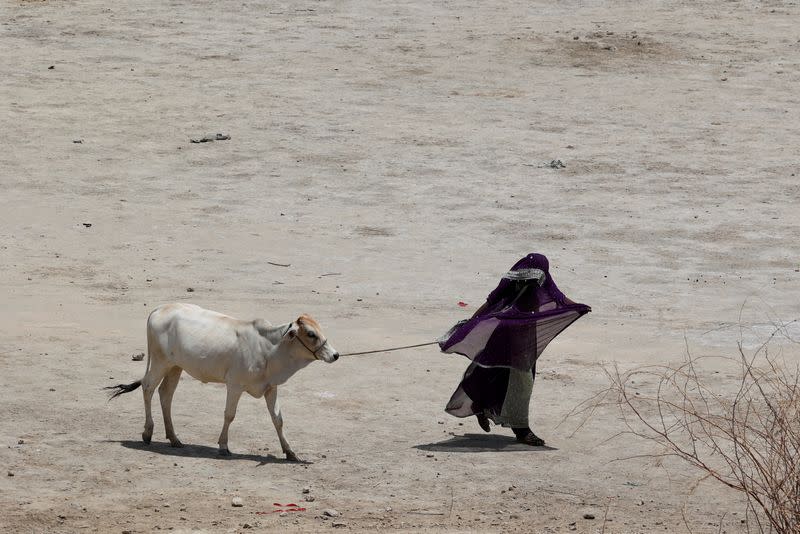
(146, 439)
(224, 452)
(175, 443)
(292, 457)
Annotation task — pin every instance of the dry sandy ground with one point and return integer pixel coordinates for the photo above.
(393, 154)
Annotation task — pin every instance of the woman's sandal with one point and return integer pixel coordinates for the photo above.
(483, 421)
(530, 439)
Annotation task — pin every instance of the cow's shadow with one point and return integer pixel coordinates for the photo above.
(202, 451)
(481, 443)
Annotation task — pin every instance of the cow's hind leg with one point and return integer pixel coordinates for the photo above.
(231, 401)
(274, 408)
(151, 380)
(165, 393)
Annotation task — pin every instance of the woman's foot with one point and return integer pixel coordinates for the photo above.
(483, 421)
(526, 436)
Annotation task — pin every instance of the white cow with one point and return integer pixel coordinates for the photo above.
(250, 356)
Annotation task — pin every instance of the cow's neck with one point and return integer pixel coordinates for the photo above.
(282, 363)
(273, 335)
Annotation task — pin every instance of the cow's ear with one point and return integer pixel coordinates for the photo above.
(292, 332)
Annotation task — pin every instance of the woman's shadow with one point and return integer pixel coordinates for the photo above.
(481, 443)
(201, 451)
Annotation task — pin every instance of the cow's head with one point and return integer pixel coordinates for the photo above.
(313, 343)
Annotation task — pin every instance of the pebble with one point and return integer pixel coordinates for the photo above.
(237, 502)
(429, 455)
(21, 442)
(306, 490)
(283, 514)
(330, 512)
(309, 498)
(338, 524)
(588, 516)
(11, 473)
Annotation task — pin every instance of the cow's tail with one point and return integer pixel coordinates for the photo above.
(119, 389)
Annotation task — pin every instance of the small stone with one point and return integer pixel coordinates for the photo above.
(309, 498)
(388, 508)
(237, 502)
(190, 290)
(52, 389)
(306, 489)
(429, 455)
(20, 442)
(338, 524)
(330, 512)
(283, 514)
(138, 357)
(247, 525)
(588, 516)
(11, 473)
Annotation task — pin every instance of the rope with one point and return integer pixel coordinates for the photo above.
(389, 350)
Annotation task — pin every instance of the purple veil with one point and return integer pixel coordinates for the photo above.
(524, 313)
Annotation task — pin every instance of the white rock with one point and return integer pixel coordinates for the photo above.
(330, 512)
(237, 502)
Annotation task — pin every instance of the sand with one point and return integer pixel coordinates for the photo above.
(394, 157)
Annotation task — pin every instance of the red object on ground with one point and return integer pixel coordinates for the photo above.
(291, 507)
(462, 304)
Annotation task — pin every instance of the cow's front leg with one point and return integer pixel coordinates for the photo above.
(274, 408)
(232, 400)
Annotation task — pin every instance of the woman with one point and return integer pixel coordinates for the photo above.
(503, 339)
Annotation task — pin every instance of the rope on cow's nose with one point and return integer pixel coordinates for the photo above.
(389, 350)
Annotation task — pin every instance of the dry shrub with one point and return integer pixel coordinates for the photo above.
(747, 438)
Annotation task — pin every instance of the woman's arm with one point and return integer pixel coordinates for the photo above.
(480, 310)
